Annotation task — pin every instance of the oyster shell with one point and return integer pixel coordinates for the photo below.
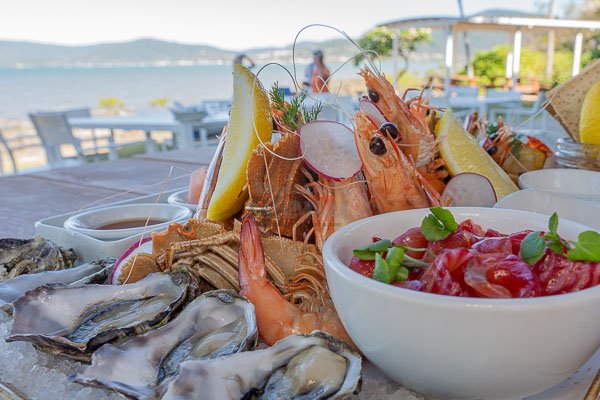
(12, 289)
(315, 366)
(22, 256)
(73, 321)
(215, 324)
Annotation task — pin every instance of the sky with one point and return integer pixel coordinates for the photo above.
(228, 24)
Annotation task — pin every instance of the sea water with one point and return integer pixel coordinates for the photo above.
(24, 90)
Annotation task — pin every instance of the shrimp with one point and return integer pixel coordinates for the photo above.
(276, 317)
(335, 204)
(412, 129)
(392, 178)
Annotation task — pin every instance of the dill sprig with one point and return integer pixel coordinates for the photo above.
(293, 113)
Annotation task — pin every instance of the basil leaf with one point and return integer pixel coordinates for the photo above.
(587, 247)
(532, 247)
(556, 246)
(395, 256)
(553, 223)
(382, 272)
(445, 217)
(402, 274)
(433, 229)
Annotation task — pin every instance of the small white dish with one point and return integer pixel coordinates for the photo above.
(90, 222)
(461, 347)
(575, 209)
(180, 198)
(579, 183)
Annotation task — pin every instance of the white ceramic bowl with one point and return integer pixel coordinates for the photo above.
(87, 221)
(180, 198)
(578, 183)
(461, 348)
(578, 210)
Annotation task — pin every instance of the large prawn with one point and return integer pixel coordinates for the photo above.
(275, 315)
(415, 137)
(393, 180)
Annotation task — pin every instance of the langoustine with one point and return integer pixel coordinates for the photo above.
(276, 316)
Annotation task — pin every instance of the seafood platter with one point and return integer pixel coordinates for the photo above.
(303, 241)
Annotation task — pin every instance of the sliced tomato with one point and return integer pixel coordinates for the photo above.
(444, 276)
(516, 239)
(458, 239)
(494, 233)
(412, 238)
(493, 245)
(499, 275)
(470, 226)
(558, 275)
(363, 267)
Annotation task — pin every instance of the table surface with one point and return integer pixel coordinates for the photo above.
(25, 199)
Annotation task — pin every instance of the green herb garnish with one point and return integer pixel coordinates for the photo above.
(368, 252)
(587, 248)
(438, 225)
(402, 274)
(293, 112)
(383, 272)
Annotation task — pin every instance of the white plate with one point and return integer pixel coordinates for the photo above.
(180, 198)
(578, 183)
(86, 222)
(575, 209)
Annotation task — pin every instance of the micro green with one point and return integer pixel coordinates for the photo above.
(438, 225)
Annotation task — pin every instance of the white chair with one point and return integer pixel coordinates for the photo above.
(15, 144)
(463, 91)
(54, 130)
(520, 114)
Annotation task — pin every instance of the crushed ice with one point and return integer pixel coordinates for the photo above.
(43, 377)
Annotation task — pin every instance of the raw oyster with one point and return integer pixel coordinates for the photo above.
(218, 323)
(315, 366)
(94, 272)
(73, 321)
(22, 256)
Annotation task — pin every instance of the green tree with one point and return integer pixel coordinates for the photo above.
(378, 42)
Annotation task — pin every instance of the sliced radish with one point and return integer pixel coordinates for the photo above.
(143, 246)
(371, 111)
(469, 190)
(329, 149)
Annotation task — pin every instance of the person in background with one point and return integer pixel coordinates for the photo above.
(317, 74)
(239, 59)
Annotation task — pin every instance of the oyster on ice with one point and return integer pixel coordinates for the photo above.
(94, 272)
(73, 321)
(315, 366)
(28, 256)
(218, 323)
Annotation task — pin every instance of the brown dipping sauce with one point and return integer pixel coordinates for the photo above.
(130, 223)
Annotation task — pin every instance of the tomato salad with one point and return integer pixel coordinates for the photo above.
(462, 259)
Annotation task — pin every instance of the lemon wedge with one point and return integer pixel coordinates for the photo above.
(462, 153)
(249, 119)
(589, 118)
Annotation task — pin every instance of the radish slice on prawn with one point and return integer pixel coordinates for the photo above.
(371, 111)
(145, 245)
(469, 190)
(329, 149)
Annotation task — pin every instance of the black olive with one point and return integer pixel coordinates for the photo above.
(492, 150)
(377, 146)
(373, 95)
(390, 129)
(493, 136)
